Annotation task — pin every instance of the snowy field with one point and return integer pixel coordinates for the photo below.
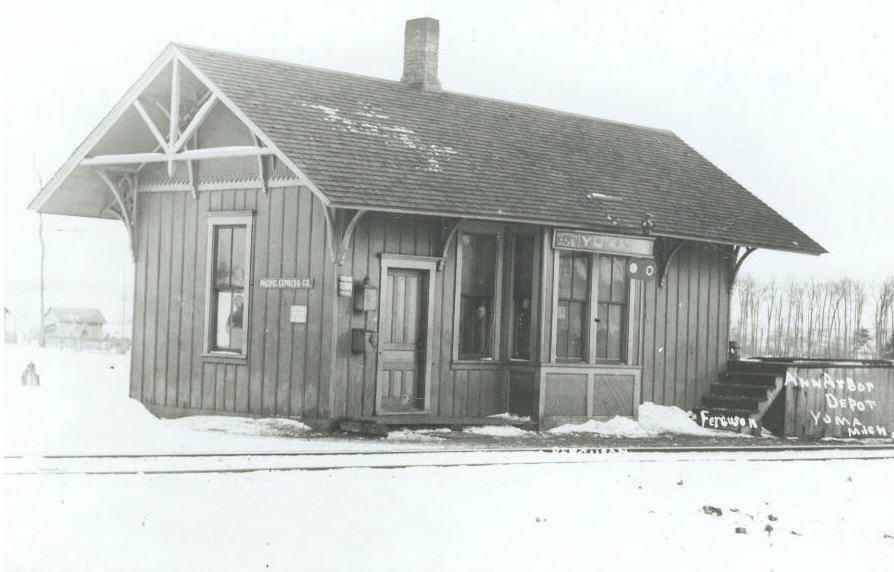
(635, 511)
(610, 515)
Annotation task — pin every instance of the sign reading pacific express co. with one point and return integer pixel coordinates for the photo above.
(286, 282)
(606, 243)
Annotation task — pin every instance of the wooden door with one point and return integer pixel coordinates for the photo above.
(402, 353)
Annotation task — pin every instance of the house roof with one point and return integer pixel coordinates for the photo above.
(77, 315)
(374, 143)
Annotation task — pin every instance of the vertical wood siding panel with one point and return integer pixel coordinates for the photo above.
(660, 319)
(670, 329)
(329, 305)
(175, 306)
(220, 384)
(648, 341)
(682, 329)
(713, 317)
(259, 306)
(703, 367)
(230, 388)
(446, 377)
(319, 258)
(273, 304)
(691, 380)
(355, 361)
(374, 269)
(192, 263)
(299, 339)
(424, 246)
(164, 294)
(153, 217)
(723, 322)
(289, 268)
(139, 302)
(196, 392)
(460, 382)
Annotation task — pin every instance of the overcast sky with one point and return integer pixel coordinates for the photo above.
(795, 100)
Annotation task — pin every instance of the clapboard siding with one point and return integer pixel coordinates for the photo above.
(284, 373)
(685, 327)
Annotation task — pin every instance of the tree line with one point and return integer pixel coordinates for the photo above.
(816, 318)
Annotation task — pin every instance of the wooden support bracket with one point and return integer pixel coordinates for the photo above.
(454, 228)
(667, 259)
(330, 214)
(262, 171)
(348, 234)
(739, 258)
(125, 203)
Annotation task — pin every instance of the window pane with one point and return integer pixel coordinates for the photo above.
(581, 281)
(614, 331)
(573, 305)
(523, 271)
(223, 252)
(605, 278)
(576, 329)
(619, 279)
(224, 306)
(237, 260)
(475, 327)
(562, 330)
(476, 318)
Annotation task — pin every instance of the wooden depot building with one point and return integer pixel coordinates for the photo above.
(332, 247)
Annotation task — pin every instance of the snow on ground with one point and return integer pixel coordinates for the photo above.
(499, 431)
(82, 407)
(615, 514)
(418, 435)
(653, 420)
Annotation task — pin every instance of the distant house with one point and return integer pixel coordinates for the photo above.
(332, 247)
(72, 327)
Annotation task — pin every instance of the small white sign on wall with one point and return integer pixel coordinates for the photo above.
(298, 314)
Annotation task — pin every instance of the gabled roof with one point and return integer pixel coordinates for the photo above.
(77, 315)
(375, 143)
(361, 142)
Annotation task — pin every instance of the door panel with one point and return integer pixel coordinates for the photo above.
(402, 343)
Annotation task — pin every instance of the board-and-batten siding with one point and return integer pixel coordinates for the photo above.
(288, 365)
(685, 327)
(466, 390)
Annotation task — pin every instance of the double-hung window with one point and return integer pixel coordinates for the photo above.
(479, 276)
(227, 302)
(591, 306)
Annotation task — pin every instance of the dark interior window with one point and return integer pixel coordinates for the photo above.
(611, 310)
(477, 295)
(228, 288)
(522, 285)
(573, 307)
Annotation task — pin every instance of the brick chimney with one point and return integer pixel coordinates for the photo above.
(421, 54)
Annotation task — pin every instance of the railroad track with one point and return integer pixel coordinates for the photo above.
(205, 463)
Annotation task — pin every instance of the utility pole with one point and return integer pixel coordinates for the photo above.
(42, 340)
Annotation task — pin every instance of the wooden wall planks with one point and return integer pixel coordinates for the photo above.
(685, 333)
(168, 368)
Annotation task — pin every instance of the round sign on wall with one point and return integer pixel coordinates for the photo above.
(641, 268)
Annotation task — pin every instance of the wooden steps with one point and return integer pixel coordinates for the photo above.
(743, 395)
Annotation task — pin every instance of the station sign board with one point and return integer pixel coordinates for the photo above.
(603, 243)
